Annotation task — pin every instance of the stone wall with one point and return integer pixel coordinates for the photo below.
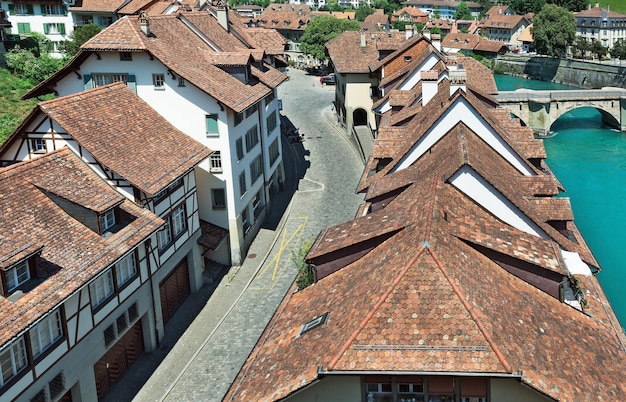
(565, 71)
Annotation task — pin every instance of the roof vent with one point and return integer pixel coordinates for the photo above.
(144, 23)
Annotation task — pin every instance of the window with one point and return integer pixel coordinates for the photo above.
(216, 162)
(274, 152)
(179, 221)
(53, 9)
(101, 289)
(23, 27)
(257, 206)
(270, 98)
(106, 21)
(126, 269)
(250, 111)
(126, 56)
(39, 145)
(238, 118)
(211, 125)
(107, 220)
(219, 198)
(54, 28)
(316, 322)
(21, 9)
(12, 360)
(100, 80)
(17, 275)
(242, 184)
(158, 80)
(161, 195)
(252, 138)
(47, 332)
(239, 145)
(271, 122)
(245, 222)
(181, 81)
(164, 236)
(256, 168)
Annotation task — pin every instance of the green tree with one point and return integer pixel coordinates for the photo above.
(298, 257)
(363, 11)
(386, 5)
(320, 30)
(463, 12)
(619, 50)
(553, 30)
(12, 109)
(527, 6)
(580, 47)
(436, 13)
(571, 5)
(435, 30)
(28, 66)
(80, 35)
(597, 49)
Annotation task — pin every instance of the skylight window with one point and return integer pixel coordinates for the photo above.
(316, 322)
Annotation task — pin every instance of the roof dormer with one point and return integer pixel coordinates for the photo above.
(17, 269)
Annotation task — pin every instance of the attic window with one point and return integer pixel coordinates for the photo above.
(16, 276)
(126, 56)
(107, 220)
(316, 322)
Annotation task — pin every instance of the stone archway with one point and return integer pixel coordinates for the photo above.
(359, 117)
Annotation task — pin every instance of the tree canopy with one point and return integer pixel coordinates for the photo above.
(619, 50)
(363, 11)
(463, 12)
(571, 5)
(320, 30)
(80, 35)
(523, 7)
(553, 30)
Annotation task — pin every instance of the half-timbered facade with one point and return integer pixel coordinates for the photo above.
(213, 86)
(77, 271)
(122, 149)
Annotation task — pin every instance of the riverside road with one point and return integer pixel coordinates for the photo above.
(322, 174)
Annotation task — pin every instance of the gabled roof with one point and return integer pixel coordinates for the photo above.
(502, 21)
(424, 301)
(527, 35)
(124, 134)
(69, 253)
(349, 56)
(597, 12)
(188, 61)
(107, 6)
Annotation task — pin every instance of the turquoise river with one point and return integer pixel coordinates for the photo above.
(589, 159)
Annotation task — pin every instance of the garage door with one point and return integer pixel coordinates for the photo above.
(124, 353)
(174, 290)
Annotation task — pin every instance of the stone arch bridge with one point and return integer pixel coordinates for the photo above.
(539, 109)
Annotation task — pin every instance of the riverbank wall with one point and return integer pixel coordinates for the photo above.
(563, 71)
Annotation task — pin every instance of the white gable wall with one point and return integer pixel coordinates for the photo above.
(459, 111)
(474, 186)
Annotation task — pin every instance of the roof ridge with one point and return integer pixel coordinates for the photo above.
(380, 302)
(471, 312)
(28, 163)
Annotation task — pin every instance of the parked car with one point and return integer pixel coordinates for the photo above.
(327, 80)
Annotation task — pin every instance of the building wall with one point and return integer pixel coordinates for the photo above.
(331, 389)
(400, 61)
(509, 390)
(359, 96)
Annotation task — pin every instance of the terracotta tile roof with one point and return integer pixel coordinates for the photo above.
(127, 136)
(490, 46)
(349, 57)
(402, 48)
(443, 24)
(527, 35)
(596, 12)
(342, 15)
(301, 8)
(501, 21)
(441, 3)
(409, 306)
(460, 41)
(269, 39)
(412, 11)
(71, 253)
(188, 62)
(134, 6)
(284, 20)
(106, 6)
(212, 235)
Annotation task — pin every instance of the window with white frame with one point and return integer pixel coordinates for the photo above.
(219, 198)
(158, 80)
(164, 236)
(239, 146)
(53, 9)
(46, 332)
(126, 269)
(17, 275)
(242, 184)
(271, 122)
(100, 80)
(107, 220)
(274, 151)
(12, 360)
(54, 28)
(256, 168)
(179, 221)
(21, 9)
(211, 125)
(39, 145)
(216, 162)
(252, 138)
(101, 289)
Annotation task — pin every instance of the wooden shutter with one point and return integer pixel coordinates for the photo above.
(131, 82)
(46, 28)
(88, 81)
(61, 29)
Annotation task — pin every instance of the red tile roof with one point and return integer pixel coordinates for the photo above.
(71, 253)
(126, 135)
(349, 57)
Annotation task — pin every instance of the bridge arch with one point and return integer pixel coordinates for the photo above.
(608, 118)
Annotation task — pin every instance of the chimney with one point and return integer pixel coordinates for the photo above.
(144, 23)
(458, 79)
(408, 31)
(426, 33)
(597, 5)
(363, 44)
(222, 16)
(429, 85)
(436, 41)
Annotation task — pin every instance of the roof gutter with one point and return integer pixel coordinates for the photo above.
(322, 372)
